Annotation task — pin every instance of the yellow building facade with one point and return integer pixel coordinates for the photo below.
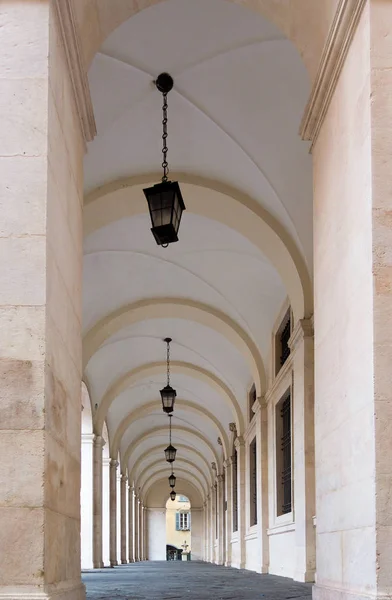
(178, 525)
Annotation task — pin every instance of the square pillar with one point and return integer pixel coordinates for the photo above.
(229, 509)
(260, 410)
(41, 199)
(302, 349)
(99, 443)
(124, 485)
(221, 519)
(113, 512)
(131, 516)
(106, 511)
(241, 458)
(137, 530)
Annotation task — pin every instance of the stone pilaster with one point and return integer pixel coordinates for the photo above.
(113, 512)
(140, 538)
(208, 528)
(124, 480)
(302, 349)
(131, 516)
(214, 518)
(241, 458)
(137, 528)
(229, 509)
(260, 410)
(106, 511)
(221, 521)
(99, 443)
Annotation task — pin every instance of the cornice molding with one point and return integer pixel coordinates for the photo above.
(303, 329)
(332, 60)
(76, 67)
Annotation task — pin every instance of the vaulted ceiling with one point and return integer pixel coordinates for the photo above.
(240, 89)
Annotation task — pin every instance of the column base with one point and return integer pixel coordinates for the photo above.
(124, 562)
(99, 565)
(50, 592)
(228, 563)
(113, 563)
(307, 577)
(131, 561)
(320, 592)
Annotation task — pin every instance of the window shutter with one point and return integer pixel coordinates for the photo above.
(177, 521)
(189, 521)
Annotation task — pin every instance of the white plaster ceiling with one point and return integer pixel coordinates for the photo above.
(234, 113)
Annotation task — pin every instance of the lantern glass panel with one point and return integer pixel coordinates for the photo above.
(166, 205)
(168, 395)
(172, 481)
(173, 495)
(170, 453)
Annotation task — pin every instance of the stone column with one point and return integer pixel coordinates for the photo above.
(204, 532)
(87, 500)
(131, 513)
(221, 517)
(229, 509)
(40, 308)
(124, 480)
(137, 555)
(213, 523)
(141, 530)
(302, 349)
(113, 512)
(145, 536)
(208, 528)
(240, 446)
(99, 443)
(260, 409)
(106, 511)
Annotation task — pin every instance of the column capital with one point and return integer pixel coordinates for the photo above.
(233, 428)
(213, 466)
(99, 441)
(239, 442)
(106, 461)
(124, 477)
(258, 404)
(88, 438)
(220, 478)
(113, 463)
(303, 329)
(228, 462)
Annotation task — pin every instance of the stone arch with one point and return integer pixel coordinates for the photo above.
(193, 493)
(130, 378)
(179, 447)
(225, 204)
(184, 473)
(304, 23)
(155, 430)
(178, 308)
(184, 461)
(151, 406)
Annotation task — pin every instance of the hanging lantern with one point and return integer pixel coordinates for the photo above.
(168, 394)
(172, 480)
(173, 495)
(170, 451)
(164, 199)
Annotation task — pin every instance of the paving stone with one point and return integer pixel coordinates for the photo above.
(177, 580)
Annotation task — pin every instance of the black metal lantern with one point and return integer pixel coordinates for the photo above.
(168, 394)
(172, 480)
(164, 199)
(173, 495)
(170, 451)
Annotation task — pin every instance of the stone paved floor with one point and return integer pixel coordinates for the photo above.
(188, 581)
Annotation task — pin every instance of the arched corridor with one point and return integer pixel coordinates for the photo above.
(268, 320)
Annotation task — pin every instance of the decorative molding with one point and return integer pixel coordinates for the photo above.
(239, 442)
(76, 67)
(213, 466)
(303, 329)
(114, 463)
(219, 440)
(233, 428)
(332, 60)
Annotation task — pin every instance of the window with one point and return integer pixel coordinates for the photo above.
(182, 499)
(283, 458)
(252, 400)
(235, 491)
(253, 482)
(183, 521)
(282, 350)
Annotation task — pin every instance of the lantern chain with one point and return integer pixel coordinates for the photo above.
(168, 362)
(165, 164)
(170, 417)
